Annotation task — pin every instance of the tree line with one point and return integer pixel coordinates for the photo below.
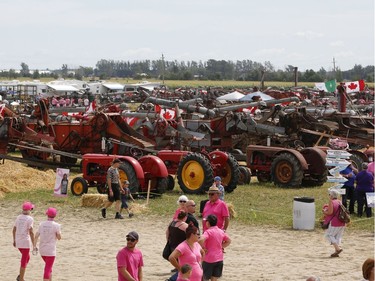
(244, 70)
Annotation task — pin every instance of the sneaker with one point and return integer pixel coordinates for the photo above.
(18, 278)
(131, 215)
(118, 216)
(104, 213)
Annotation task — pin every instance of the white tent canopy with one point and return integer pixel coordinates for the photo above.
(114, 86)
(263, 96)
(234, 96)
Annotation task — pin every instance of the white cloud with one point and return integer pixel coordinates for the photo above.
(309, 35)
(336, 44)
(270, 51)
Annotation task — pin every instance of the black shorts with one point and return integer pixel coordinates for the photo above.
(116, 193)
(214, 269)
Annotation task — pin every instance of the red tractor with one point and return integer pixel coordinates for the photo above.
(138, 173)
(287, 167)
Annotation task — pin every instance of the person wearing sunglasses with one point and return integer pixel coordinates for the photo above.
(181, 203)
(189, 252)
(217, 207)
(130, 260)
(190, 207)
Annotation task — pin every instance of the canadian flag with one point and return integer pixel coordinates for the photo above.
(131, 121)
(92, 107)
(165, 113)
(355, 86)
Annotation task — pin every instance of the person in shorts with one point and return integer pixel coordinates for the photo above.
(125, 193)
(213, 242)
(113, 183)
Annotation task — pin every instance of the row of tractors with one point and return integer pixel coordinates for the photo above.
(222, 141)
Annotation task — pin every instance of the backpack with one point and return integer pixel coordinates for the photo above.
(344, 215)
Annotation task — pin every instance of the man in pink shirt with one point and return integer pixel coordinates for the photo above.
(130, 260)
(213, 242)
(214, 206)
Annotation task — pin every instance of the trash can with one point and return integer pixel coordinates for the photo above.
(304, 213)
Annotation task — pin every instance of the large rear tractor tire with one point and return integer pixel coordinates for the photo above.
(231, 174)
(286, 171)
(162, 185)
(78, 186)
(195, 174)
(263, 177)
(245, 176)
(127, 172)
(356, 161)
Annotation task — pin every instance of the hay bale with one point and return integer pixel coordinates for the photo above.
(232, 212)
(93, 200)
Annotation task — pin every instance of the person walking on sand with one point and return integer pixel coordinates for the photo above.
(213, 242)
(130, 260)
(49, 232)
(113, 183)
(189, 252)
(216, 207)
(23, 236)
(336, 227)
(125, 193)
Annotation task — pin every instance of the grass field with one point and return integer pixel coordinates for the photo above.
(254, 204)
(228, 84)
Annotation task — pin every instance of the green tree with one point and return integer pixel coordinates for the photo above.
(25, 71)
(36, 74)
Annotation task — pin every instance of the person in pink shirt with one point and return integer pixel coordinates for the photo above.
(181, 202)
(189, 252)
(370, 167)
(336, 228)
(23, 236)
(49, 232)
(213, 241)
(130, 260)
(217, 207)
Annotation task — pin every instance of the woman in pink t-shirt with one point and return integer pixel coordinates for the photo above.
(181, 202)
(49, 232)
(189, 252)
(336, 227)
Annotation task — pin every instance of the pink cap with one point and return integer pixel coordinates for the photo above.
(51, 212)
(27, 206)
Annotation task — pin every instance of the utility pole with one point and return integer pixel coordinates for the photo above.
(334, 66)
(162, 67)
(295, 76)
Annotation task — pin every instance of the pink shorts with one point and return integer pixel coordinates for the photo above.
(49, 260)
(25, 256)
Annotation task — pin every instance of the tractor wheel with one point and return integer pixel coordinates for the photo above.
(245, 175)
(127, 173)
(170, 182)
(286, 171)
(263, 177)
(195, 174)
(231, 174)
(102, 188)
(162, 185)
(356, 162)
(315, 180)
(78, 186)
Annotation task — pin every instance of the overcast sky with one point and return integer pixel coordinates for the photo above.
(303, 33)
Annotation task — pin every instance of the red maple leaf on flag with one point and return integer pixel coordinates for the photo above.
(167, 115)
(352, 86)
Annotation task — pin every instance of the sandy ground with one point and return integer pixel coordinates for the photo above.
(90, 244)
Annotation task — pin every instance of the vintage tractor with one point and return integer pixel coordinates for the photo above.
(196, 171)
(147, 170)
(287, 167)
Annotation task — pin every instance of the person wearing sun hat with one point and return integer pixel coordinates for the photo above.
(49, 232)
(217, 207)
(130, 259)
(23, 236)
